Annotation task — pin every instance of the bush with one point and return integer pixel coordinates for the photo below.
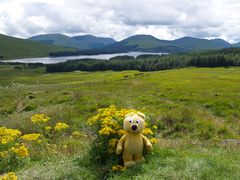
(107, 128)
(17, 148)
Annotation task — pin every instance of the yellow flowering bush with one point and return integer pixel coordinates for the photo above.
(40, 119)
(9, 176)
(8, 135)
(108, 128)
(21, 151)
(12, 152)
(61, 126)
(16, 148)
(31, 137)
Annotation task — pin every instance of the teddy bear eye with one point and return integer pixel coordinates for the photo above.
(130, 121)
(138, 122)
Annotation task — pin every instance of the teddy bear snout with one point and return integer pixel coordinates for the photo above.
(134, 127)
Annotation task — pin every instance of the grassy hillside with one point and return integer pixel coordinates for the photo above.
(201, 44)
(79, 42)
(93, 42)
(152, 44)
(11, 48)
(194, 108)
(145, 43)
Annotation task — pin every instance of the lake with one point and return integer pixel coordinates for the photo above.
(54, 60)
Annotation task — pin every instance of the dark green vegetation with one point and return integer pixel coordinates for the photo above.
(217, 58)
(78, 42)
(194, 108)
(11, 48)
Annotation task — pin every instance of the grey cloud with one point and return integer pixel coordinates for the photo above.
(122, 18)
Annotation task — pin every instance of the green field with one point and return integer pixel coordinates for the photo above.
(194, 108)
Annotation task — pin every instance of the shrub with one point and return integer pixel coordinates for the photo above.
(13, 153)
(107, 128)
(17, 148)
(9, 176)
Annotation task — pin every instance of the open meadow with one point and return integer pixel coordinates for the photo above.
(196, 111)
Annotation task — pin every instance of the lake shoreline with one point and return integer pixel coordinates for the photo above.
(54, 60)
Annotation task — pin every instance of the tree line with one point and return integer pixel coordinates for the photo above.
(218, 58)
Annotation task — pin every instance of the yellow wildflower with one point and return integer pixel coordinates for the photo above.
(154, 127)
(48, 128)
(121, 132)
(39, 118)
(147, 131)
(8, 135)
(61, 126)
(112, 142)
(153, 140)
(9, 176)
(6, 139)
(107, 131)
(3, 154)
(21, 151)
(118, 168)
(31, 137)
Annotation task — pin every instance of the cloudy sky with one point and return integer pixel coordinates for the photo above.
(164, 19)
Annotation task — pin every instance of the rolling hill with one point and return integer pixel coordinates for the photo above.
(145, 43)
(85, 42)
(236, 44)
(96, 45)
(12, 48)
(200, 44)
(151, 44)
(93, 42)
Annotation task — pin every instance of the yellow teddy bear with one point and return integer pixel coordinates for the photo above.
(131, 144)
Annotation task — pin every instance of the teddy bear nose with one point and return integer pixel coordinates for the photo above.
(134, 127)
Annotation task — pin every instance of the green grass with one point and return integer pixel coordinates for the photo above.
(15, 48)
(202, 104)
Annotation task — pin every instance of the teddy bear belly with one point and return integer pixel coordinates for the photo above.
(133, 146)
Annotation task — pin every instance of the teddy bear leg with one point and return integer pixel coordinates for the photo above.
(138, 158)
(128, 160)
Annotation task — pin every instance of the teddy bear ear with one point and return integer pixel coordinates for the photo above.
(130, 114)
(141, 115)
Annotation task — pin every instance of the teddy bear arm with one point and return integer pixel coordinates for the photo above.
(120, 145)
(147, 143)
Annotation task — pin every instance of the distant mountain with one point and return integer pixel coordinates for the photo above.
(45, 45)
(200, 44)
(93, 42)
(140, 42)
(151, 44)
(11, 47)
(145, 43)
(236, 45)
(86, 42)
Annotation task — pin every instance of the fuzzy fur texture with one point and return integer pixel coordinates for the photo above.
(131, 144)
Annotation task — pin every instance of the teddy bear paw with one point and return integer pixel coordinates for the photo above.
(140, 160)
(119, 150)
(129, 163)
(149, 147)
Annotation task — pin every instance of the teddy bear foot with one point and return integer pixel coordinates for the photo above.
(129, 164)
(140, 160)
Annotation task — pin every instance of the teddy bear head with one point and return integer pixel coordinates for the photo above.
(134, 122)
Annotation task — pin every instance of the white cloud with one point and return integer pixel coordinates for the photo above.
(122, 18)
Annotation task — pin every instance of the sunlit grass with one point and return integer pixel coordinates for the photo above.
(202, 103)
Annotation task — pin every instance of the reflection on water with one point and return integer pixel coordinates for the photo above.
(51, 60)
